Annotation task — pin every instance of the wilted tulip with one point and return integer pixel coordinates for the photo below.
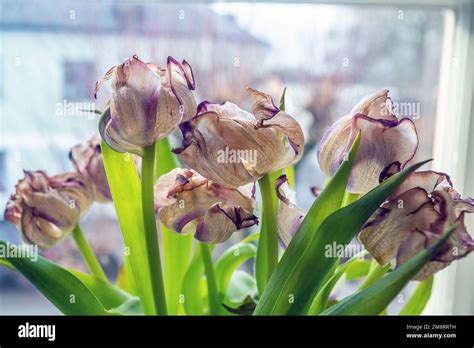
(387, 143)
(147, 103)
(232, 147)
(415, 216)
(46, 209)
(289, 215)
(186, 201)
(88, 161)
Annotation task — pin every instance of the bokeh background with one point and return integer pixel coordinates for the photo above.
(328, 57)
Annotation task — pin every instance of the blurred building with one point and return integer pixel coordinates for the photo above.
(53, 52)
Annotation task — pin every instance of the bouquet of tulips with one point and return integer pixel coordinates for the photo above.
(232, 175)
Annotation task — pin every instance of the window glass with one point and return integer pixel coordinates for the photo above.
(328, 57)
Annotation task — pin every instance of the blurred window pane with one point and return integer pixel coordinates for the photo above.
(79, 76)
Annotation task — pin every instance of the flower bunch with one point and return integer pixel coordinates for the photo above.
(409, 221)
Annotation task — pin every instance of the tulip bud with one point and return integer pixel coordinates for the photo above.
(147, 103)
(46, 209)
(88, 161)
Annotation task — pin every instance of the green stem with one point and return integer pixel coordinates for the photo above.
(269, 232)
(213, 294)
(87, 254)
(151, 236)
(375, 273)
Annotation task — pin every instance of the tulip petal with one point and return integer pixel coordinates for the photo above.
(263, 107)
(113, 139)
(46, 209)
(40, 231)
(383, 143)
(377, 105)
(205, 150)
(147, 103)
(226, 144)
(385, 231)
(87, 160)
(428, 180)
(387, 144)
(289, 215)
(219, 223)
(183, 199)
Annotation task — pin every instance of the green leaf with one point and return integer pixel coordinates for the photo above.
(62, 288)
(7, 264)
(327, 202)
(125, 282)
(177, 248)
(303, 267)
(129, 307)
(192, 285)
(282, 100)
(228, 262)
(359, 269)
(125, 186)
(320, 301)
(109, 295)
(419, 299)
(376, 297)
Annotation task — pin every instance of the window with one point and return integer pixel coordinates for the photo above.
(79, 79)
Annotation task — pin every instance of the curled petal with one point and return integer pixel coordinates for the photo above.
(147, 103)
(46, 209)
(459, 245)
(263, 107)
(383, 143)
(428, 180)
(134, 101)
(377, 105)
(40, 231)
(415, 243)
(77, 189)
(113, 139)
(219, 223)
(414, 220)
(227, 145)
(289, 215)
(88, 161)
(206, 150)
(387, 143)
(385, 231)
(463, 206)
(183, 200)
(175, 182)
(286, 125)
